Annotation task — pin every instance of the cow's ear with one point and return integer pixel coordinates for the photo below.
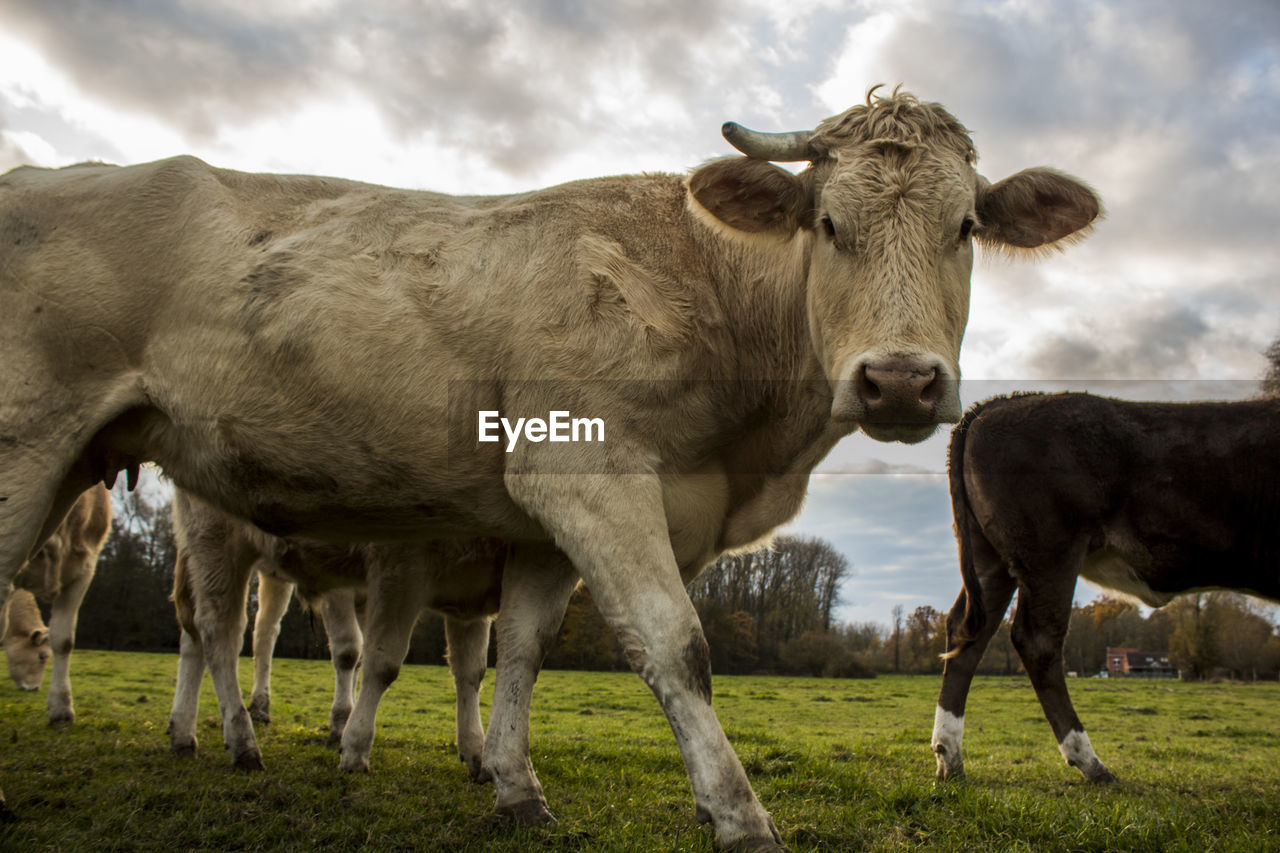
(1035, 209)
(40, 637)
(751, 195)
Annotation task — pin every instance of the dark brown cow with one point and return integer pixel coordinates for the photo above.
(1148, 499)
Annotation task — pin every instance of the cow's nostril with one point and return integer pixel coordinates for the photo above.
(868, 390)
(933, 389)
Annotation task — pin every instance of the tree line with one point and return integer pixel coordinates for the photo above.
(765, 611)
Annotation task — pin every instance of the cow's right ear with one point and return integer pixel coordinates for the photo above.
(751, 195)
(40, 637)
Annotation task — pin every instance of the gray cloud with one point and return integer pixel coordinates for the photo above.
(1162, 344)
(517, 83)
(1171, 109)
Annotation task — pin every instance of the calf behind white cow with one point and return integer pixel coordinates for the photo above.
(338, 612)
(312, 354)
(217, 554)
(59, 573)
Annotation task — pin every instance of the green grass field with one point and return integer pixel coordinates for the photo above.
(842, 765)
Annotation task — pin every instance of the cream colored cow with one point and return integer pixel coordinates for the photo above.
(317, 356)
(60, 573)
(216, 556)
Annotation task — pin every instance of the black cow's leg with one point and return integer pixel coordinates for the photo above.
(1039, 628)
(957, 674)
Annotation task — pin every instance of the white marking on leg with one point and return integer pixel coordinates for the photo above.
(1078, 752)
(948, 732)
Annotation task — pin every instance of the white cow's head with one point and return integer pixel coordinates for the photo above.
(893, 205)
(26, 641)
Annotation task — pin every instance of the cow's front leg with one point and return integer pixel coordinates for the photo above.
(273, 601)
(536, 585)
(397, 589)
(346, 642)
(614, 529)
(64, 614)
(996, 588)
(468, 641)
(1039, 628)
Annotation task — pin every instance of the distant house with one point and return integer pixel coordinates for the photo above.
(1140, 664)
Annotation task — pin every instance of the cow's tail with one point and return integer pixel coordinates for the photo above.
(183, 601)
(966, 631)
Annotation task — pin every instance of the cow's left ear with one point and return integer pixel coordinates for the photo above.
(1035, 209)
(751, 195)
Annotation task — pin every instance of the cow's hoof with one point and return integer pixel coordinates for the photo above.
(528, 812)
(6, 814)
(183, 750)
(356, 764)
(260, 712)
(475, 770)
(249, 760)
(334, 740)
(59, 717)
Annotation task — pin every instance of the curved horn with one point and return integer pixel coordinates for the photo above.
(783, 147)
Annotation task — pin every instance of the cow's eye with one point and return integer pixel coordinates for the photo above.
(829, 226)
(966, 228)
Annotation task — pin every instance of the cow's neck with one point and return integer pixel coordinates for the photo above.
(783, 401)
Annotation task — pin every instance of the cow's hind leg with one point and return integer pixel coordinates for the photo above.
(346, 641)
(997, 587)
(468, 641)
(536, 585)
(220, 594)
(186, 697)
(614, 529)
(63, 616)
(396, 594)
(273, 601)
(1039, 628)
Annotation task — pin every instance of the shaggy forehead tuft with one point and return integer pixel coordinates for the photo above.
(899, 118)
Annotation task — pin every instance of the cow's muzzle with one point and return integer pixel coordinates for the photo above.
(899, 397)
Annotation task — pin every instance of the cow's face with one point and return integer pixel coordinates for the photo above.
(27, 654)
(891, 205)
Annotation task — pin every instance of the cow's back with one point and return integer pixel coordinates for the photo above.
(1183, 494)
(72, 551)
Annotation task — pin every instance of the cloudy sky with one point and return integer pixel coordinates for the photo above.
(1170, 108)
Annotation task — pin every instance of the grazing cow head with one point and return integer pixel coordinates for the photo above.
(26, 641)
(893, 205)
